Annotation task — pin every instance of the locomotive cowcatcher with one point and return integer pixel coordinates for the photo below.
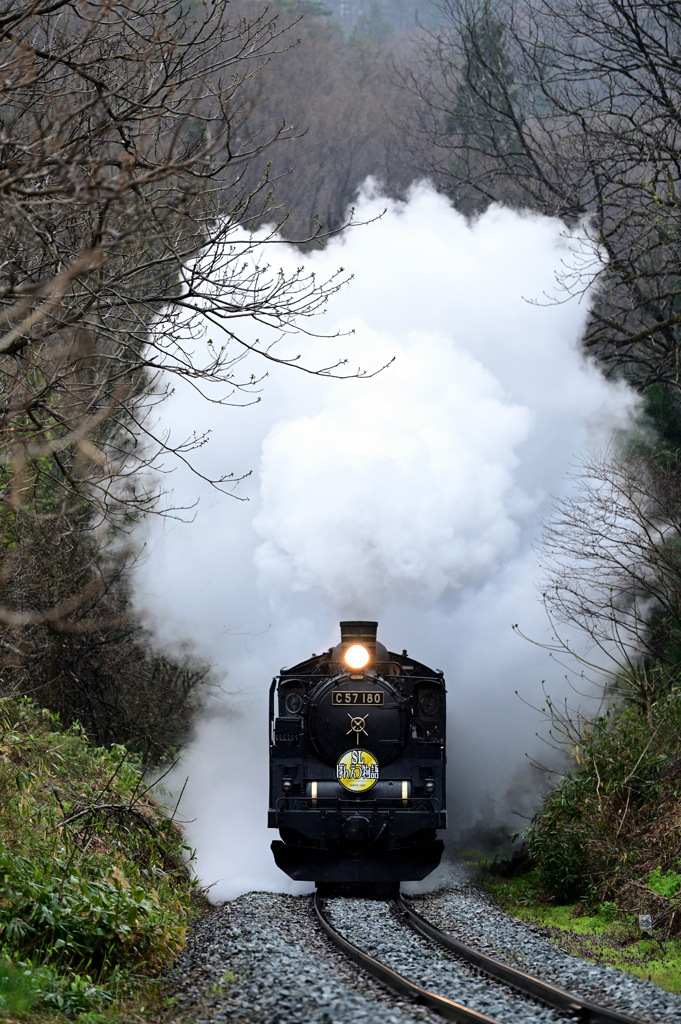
(357, 764)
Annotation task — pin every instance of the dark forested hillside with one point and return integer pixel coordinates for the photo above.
(335, 89)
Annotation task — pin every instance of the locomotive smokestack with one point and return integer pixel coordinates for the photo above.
(359, 632)
(361, 635)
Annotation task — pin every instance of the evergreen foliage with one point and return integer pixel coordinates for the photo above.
(372, 26)
(662, 409)
(486, 99)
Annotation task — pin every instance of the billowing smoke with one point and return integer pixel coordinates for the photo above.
(418, 462)
(411, 497)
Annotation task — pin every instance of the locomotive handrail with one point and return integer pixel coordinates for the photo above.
(272, 716)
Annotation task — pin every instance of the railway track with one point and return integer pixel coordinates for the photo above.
(567, 1005)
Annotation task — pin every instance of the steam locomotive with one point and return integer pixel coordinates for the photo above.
(357, 764)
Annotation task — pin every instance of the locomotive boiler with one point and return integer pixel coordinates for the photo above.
(357, 764)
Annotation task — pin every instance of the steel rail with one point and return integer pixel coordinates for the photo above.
(397, 982)
(588, 1012)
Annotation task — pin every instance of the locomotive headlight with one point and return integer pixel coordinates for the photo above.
(357, 656)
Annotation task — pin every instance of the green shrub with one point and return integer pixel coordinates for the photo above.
(93, 882)
(17, 993)
(85, 921)
(614, 821)
(24, 986)
(665, 883)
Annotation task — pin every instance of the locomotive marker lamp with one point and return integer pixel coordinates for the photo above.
(357, 656)
(293, 703)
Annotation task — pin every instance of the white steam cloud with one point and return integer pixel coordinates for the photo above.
(413, 492)
(411, 497)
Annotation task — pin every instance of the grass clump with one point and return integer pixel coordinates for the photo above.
(665, 883)
(95, 896)
(602, 933)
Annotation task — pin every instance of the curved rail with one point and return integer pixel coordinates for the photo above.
(446, 1007)
(550, 995)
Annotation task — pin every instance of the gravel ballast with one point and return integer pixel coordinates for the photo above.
(373, 927)
(262, 958)
(468, 913)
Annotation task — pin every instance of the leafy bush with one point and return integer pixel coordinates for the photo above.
(92, 875)
(665, 884)
(612, 830)
(52, 908)
(24, 985)
(16, 990)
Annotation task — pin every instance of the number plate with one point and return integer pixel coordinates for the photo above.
(358, 697)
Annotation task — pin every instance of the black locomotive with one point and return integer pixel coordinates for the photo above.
(357, 764)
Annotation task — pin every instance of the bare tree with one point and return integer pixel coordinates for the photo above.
(131, 180)
(572, 109)
(125, 219)
(76, 644)
(613, 574)
(611, 560)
